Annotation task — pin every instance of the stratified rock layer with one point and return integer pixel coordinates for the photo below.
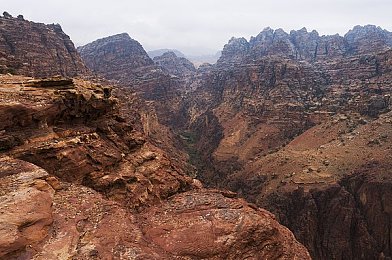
(219, 227)
(36, 49)
(75, 132)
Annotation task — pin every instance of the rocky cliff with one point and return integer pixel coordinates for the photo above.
(115, 55)
(79, 180)
(123, 60)
(36, 49)
(309, 46)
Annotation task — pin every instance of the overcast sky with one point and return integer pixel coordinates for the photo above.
(198, 26)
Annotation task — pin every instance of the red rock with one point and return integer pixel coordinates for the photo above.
(36, 49)
(206, 225)
(26, 206)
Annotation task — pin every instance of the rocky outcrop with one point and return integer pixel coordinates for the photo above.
(75, 133)
(220, 228)
(36, 49)
(26, 200)
(177, 66)
(44, 218)
(309, 46)
(114, 55)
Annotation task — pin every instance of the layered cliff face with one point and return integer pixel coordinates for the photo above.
(75, 133)
(36, 49)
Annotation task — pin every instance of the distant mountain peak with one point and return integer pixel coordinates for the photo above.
(304, 45)
(114, 52)
(159, 52)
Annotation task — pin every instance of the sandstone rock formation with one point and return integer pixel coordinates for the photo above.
(124, 61)
(36, 49)
(26, 199)
(60, 224)
(75, 133)
(296, 123)
(102, 184)
(309, 46)
(220, 227)
(177, 66)
(114, 55)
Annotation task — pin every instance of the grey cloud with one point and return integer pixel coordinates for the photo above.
(198, 27)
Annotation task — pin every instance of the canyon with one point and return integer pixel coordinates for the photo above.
(296, 123)
(280, 150)
(88, 172)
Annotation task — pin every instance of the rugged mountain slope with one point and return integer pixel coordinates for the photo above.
(309, 46)
(82, 176)
(334, 175)
(36, 49)
(114, 55)
(261, 96)
(128, 64)
(178, 66)
(245, 123)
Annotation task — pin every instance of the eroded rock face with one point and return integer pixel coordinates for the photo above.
(75, 133)
(122, 59)
(309, 46)
(36, 49)
(114, 55)
(240, 120)
(46, 219)
(178, 66)
(26, 206)
(219, 227)
(358, 39)
(274, 93)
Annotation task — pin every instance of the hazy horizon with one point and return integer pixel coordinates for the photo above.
(199, 27)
